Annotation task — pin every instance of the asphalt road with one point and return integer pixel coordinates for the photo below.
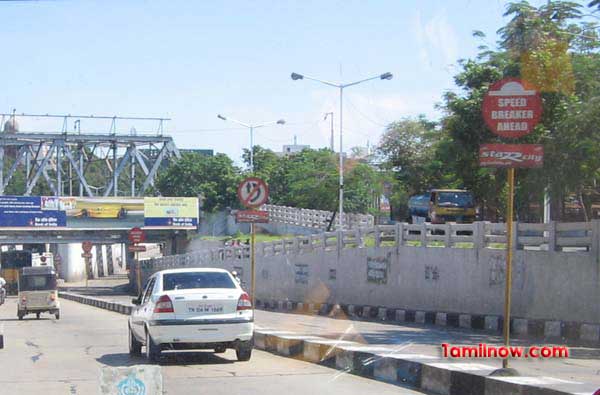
(66, 357)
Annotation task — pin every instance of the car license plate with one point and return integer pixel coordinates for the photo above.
(204, 308)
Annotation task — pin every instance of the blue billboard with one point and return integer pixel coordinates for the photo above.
(31, 211)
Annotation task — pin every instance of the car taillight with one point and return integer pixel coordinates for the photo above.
(244, 302)
(164, 305)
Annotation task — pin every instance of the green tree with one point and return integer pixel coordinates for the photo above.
(215, 177)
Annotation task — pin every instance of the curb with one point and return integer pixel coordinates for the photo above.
(102, 304)
(576, 333)
(377, 362)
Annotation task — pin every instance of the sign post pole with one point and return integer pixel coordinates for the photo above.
(87, 276)
(253, 262)
(138, 273)
(509, 256)
(511, 109)
(253, 193)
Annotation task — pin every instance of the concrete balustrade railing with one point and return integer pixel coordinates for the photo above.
(316, 219)
(567, 237)
(447, 268)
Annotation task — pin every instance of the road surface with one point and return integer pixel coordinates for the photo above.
(65, 357)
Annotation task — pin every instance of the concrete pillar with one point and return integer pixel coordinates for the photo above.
(99, 260)
(109, 260)
(72, 264)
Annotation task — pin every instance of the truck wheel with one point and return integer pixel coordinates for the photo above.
(243, 351)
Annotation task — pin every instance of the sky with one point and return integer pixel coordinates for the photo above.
(192, 60)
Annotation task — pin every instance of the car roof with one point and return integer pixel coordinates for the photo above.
(194, 270)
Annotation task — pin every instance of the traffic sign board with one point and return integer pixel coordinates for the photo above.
(86, 246)
(136, 248)
(511, 155)
(136, 235)
(512, 108)
(253, 192)
(254, 216)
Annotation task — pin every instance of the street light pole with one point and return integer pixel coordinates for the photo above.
(341, 188)
(331, 143)
(384, 76)
(252, 127)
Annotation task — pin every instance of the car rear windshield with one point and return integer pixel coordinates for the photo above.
(192, 280)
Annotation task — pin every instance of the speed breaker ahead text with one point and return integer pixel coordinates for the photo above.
(253, 193)
(512, 108)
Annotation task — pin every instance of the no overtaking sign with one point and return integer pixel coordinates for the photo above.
(253, 192)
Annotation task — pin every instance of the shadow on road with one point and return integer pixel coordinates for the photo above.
(167, 359)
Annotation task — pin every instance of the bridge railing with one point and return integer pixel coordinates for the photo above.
(315, 219)
(576, 237)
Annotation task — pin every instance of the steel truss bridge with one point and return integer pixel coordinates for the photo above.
(61, 159)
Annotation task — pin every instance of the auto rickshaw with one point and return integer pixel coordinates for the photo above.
(38, 292)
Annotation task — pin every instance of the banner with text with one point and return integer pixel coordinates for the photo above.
(511, 155)
(171, 211)
(31, 211)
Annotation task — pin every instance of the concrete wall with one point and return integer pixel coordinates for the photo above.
(546, 285)
(555, 277)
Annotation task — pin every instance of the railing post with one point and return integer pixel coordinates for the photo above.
(399, 235)
(479, 235)
(515, 235)
(377, 236)
(448, 235)
(424, 235)
(595, 250)
(359, 238)
(340, 241)
(552, 236)
(296, 246)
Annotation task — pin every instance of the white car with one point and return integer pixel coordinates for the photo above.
(184, 309)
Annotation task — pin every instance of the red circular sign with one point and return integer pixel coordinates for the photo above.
(253, 192)
(136, 235)
(86, 246)
(512, 108)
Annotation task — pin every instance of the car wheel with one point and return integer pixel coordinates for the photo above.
(152, 350)
(244, 351)
(220, 349)
(135, 347)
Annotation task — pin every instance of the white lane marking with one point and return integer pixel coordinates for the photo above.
(407, 356)
(542, 380)
(464, 367)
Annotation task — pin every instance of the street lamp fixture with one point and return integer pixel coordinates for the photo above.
(384, 76)
(252, 127)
